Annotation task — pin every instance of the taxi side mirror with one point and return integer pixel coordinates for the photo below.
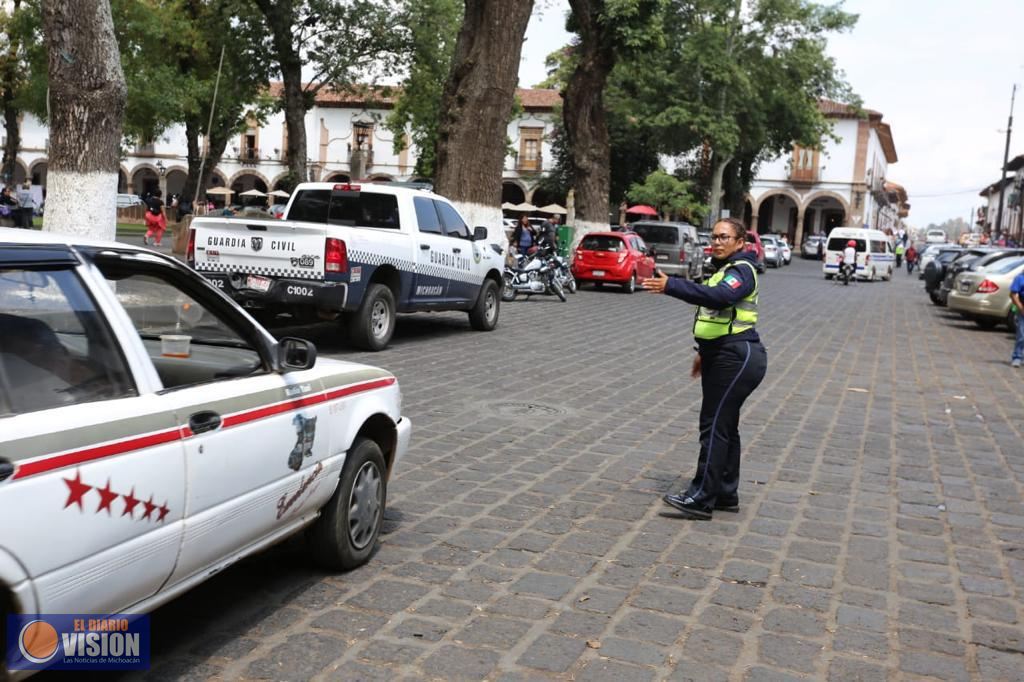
(295, 354)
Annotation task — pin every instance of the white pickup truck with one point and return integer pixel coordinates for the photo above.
(359, 252)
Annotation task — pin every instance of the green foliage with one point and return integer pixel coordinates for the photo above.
(433, 27)
(559, 65)
(670, 195)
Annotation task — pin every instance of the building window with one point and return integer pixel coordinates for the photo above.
(249, 145)
(804, 164)
(530, 148)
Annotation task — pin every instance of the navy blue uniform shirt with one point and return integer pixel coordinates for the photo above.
(722, 295)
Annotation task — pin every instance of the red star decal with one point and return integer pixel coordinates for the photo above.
(164, 511)
(148, 514)
(107, 496)
(129, 503)
(76, 490)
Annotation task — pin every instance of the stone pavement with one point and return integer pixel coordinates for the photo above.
(881, 532)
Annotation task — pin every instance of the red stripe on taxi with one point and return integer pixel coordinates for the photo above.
(139, 442)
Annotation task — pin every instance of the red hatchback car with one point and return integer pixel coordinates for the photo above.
(754, 245)
(614, 257)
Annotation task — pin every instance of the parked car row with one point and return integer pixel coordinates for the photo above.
(974, 282)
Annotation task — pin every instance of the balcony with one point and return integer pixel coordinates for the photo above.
(525, 165)
(804, 176)
(249, 156)
(354, 158)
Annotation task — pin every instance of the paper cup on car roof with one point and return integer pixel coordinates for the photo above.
(175, 345)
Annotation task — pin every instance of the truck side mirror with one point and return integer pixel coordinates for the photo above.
(479, 233)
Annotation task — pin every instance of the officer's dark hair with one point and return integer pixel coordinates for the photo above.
(739, 230)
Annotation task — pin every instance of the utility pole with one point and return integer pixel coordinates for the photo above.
(1006, 159)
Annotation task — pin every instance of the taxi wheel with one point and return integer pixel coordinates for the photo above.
(346, 533)
(371, 327)
(484, 315)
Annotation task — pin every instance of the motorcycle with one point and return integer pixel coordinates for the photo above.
(534, 274)
(845, 273)
(563, 274)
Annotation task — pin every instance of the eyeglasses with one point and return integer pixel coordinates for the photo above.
(721, 237)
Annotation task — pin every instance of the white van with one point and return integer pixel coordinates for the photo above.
(875, 255)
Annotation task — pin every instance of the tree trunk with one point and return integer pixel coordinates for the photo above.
(476, 107)
(12, 129)
(583, 114)
(715, 200)
(280, 18)
(87, 102)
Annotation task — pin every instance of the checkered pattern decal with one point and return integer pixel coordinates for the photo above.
(289, 273)
(375, 259)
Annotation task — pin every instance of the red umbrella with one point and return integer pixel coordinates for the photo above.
(642, 209)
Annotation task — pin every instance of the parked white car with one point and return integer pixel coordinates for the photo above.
(151, 433)
(126, 200)
(935, 237)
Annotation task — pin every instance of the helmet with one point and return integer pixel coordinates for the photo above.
(851, 243)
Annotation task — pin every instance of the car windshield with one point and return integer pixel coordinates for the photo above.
(657, 234)
(839, 243)
(1004, 266)
(602, 243)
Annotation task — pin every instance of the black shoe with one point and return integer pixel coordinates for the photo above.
(727, 504)
(688, 506)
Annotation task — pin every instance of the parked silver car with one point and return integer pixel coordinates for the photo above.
(677, 250)
(809, 249)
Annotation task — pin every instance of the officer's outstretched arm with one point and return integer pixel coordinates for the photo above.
(736, 285)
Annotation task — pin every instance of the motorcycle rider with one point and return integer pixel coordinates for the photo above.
(850, 258)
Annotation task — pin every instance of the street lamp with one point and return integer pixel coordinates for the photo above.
(160, 168)
(1006, 158)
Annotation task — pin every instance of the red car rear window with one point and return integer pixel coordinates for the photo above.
(602, 243)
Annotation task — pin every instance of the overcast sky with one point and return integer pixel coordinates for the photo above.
(940, 71)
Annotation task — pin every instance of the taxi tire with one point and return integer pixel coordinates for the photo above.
(478, 317)
(329, 539)
(360, 323)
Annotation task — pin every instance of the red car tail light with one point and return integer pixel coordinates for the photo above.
(190, 251)
(335, 256)
(682, 255)
(988, 287)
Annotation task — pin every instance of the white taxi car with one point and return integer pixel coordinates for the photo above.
(151, 433)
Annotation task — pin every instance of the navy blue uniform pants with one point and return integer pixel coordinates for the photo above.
(729, 374)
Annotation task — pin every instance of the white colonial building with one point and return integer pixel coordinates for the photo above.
(843, 183)
(346, 140)
(1011, 191)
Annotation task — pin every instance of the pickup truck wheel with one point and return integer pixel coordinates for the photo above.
(374, 323)
(484, 315)
(346, 533)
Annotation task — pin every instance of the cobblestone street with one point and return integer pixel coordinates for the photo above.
(880, 534)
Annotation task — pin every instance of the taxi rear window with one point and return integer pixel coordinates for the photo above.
(602, 243)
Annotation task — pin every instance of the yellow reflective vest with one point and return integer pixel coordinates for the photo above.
(713, 324)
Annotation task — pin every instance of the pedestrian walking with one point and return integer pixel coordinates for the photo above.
(156, 222)
(26, 206)
(911, 257)
(1016, 292)
(731, 363)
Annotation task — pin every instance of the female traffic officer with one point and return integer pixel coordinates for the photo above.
(730, 361)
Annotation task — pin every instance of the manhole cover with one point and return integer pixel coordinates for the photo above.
(527, 410)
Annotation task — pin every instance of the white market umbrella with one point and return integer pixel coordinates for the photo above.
(508, 206)
(525, 206)
(251, 193)
(279, 193)
(219, 190)
(552, 208)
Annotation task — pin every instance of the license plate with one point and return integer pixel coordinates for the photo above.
(261, 284)
(598, 273)
(664, 257)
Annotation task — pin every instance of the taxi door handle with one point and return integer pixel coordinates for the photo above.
(204, 421)
(425, 247)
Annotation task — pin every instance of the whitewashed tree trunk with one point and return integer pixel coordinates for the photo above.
(86, 101)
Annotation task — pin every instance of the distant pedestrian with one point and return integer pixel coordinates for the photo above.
(26, 206)
(524, 239)
(911, 257)
(1016, 290)
(156, 222)
(821, 248)
(899, 254)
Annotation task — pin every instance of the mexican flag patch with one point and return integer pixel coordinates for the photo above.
(733, 282)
